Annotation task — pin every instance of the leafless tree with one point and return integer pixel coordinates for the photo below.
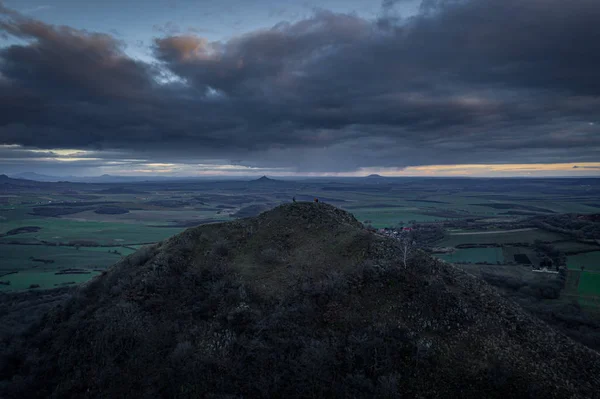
(407, 245)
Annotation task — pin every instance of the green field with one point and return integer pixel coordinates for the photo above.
(387, 217)
(137, 246)
(63, 230)
(589, 284)
(148, 217)
(23, 280)
(474, 255)
(575, 246)
(590, 260)
(124, 251)
(490, 237)
(510, 252)
(584, 286)
(17, 257)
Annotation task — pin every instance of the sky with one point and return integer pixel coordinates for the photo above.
(328, 88)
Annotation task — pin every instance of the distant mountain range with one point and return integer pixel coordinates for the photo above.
(35, 176)
(4, 179)
(86, 179)
(129, 179)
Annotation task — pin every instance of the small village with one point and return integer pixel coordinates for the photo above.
(395, 232)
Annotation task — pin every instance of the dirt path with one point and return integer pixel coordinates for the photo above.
(492, 232)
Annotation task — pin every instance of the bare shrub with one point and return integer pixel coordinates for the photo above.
(142, 255)
(182, 351)
(387, 386)
(220, 248)
(270, 256)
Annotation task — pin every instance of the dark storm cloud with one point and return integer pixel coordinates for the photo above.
(70, 63)
(481, 81)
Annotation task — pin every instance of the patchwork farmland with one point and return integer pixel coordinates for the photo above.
(47, 228)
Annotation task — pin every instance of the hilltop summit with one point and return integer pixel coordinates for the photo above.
(6, 178)
(299, 301)
(264, 179)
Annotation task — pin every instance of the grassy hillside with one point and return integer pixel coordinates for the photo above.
(300, 301)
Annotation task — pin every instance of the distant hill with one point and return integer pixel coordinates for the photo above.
(87, 179)
(12, 183)
(374, 176)
(38, 177)
(5, 178)
(300, 301)
(266, 180)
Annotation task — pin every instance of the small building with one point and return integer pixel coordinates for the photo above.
(544, 270)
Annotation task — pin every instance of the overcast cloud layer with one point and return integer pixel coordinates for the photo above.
(479, 81)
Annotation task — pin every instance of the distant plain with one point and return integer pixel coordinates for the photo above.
(91, 226)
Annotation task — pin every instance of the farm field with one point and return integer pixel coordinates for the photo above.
(474, 255)
(507, 237)
(383, 217)
(574, 246)
(122, 250)
(45, 279)
(19, 257)
(589, 284)
(120, 215)
(136, 247)
(37, 264)
(148, 217)
(517, 254)
(589, 260)
(56, 230)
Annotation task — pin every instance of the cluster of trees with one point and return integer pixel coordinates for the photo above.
(239, 342)
(580, 227)
(551, 257)
(111, 210)
(543, 300)
(56, 211)
(474, 223)
(80, 243)
(426, 234)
